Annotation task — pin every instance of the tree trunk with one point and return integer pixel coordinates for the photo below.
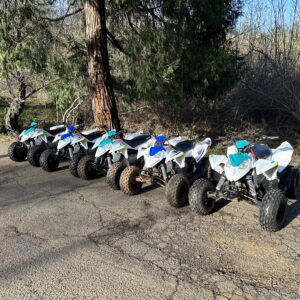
(16, 107)
(102, 95)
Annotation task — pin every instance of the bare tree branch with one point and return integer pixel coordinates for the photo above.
(64, 16)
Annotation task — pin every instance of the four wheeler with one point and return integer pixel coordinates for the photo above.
(170, 163)
(17, 151)
(114, 147)
(70, 145)
(255, 173)
(44, 139)
(123, 152)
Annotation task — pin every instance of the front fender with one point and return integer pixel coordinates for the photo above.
(217, 162)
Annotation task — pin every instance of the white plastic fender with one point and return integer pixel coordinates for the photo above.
(283, 155)
(63, 143)
(217, 162)
(102, 150)
(99, 140)
(200, 149)
(177, 156)
(25, 137)
(236, 173)
(152, 161)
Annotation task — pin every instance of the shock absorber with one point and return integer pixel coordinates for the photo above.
(251, 186)
(164, 172)
(70, 152)
(220, 183)
(109, 161)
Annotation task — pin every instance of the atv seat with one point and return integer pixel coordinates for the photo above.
(93, 135)
(138, 140)
(261, 151)
(56, 130)
(185, 146)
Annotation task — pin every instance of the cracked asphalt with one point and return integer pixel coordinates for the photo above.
(64, 238)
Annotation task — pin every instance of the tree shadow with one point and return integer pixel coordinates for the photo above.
(149, 188)
(220, 204)
(293, 211)
(63, 168)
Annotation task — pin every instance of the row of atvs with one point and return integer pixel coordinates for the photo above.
(252, 172)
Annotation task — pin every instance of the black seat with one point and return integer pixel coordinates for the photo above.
(55, 131)
(185, 145)
(93, 135)
(138, 140)
(261, 151)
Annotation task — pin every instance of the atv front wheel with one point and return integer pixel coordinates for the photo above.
(128, 183)
(17, 151)
(199, 200)
(292, 191)
(73, 167)
(272, 210)
(34, 154)
(114, 174)
(177, 190)
(49, 161)
(86, 169)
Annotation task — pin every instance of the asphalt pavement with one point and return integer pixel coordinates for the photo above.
(65, 238)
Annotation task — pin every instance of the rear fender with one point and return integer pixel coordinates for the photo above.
(283, 155)
(201, 149)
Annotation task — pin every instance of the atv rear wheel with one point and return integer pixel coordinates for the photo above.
(114, 174)
(177, 190)
(86, 169)
(128, 183)
(199, 200)
(17, 151)
(272, 210)
(34, 154)
(292, 191)
(49, 161)
(73, 167)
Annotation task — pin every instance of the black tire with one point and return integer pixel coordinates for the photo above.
(17, 151)
(177, 190)
(292, 191)
(114, 174)
(73, 167)
(85, 168)
(49, 161)
(128, 183)
(34, 154)
(199, 202)
(272, 210)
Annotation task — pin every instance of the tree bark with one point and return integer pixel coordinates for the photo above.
(16, 107)
(102, 95)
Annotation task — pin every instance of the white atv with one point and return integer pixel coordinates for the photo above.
(172, 163)
(31, 138)
(123, 153)
(43, 139)
(71, 146)
(255, 173)
(114, 151)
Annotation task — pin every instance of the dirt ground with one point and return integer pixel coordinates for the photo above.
(64, 238)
